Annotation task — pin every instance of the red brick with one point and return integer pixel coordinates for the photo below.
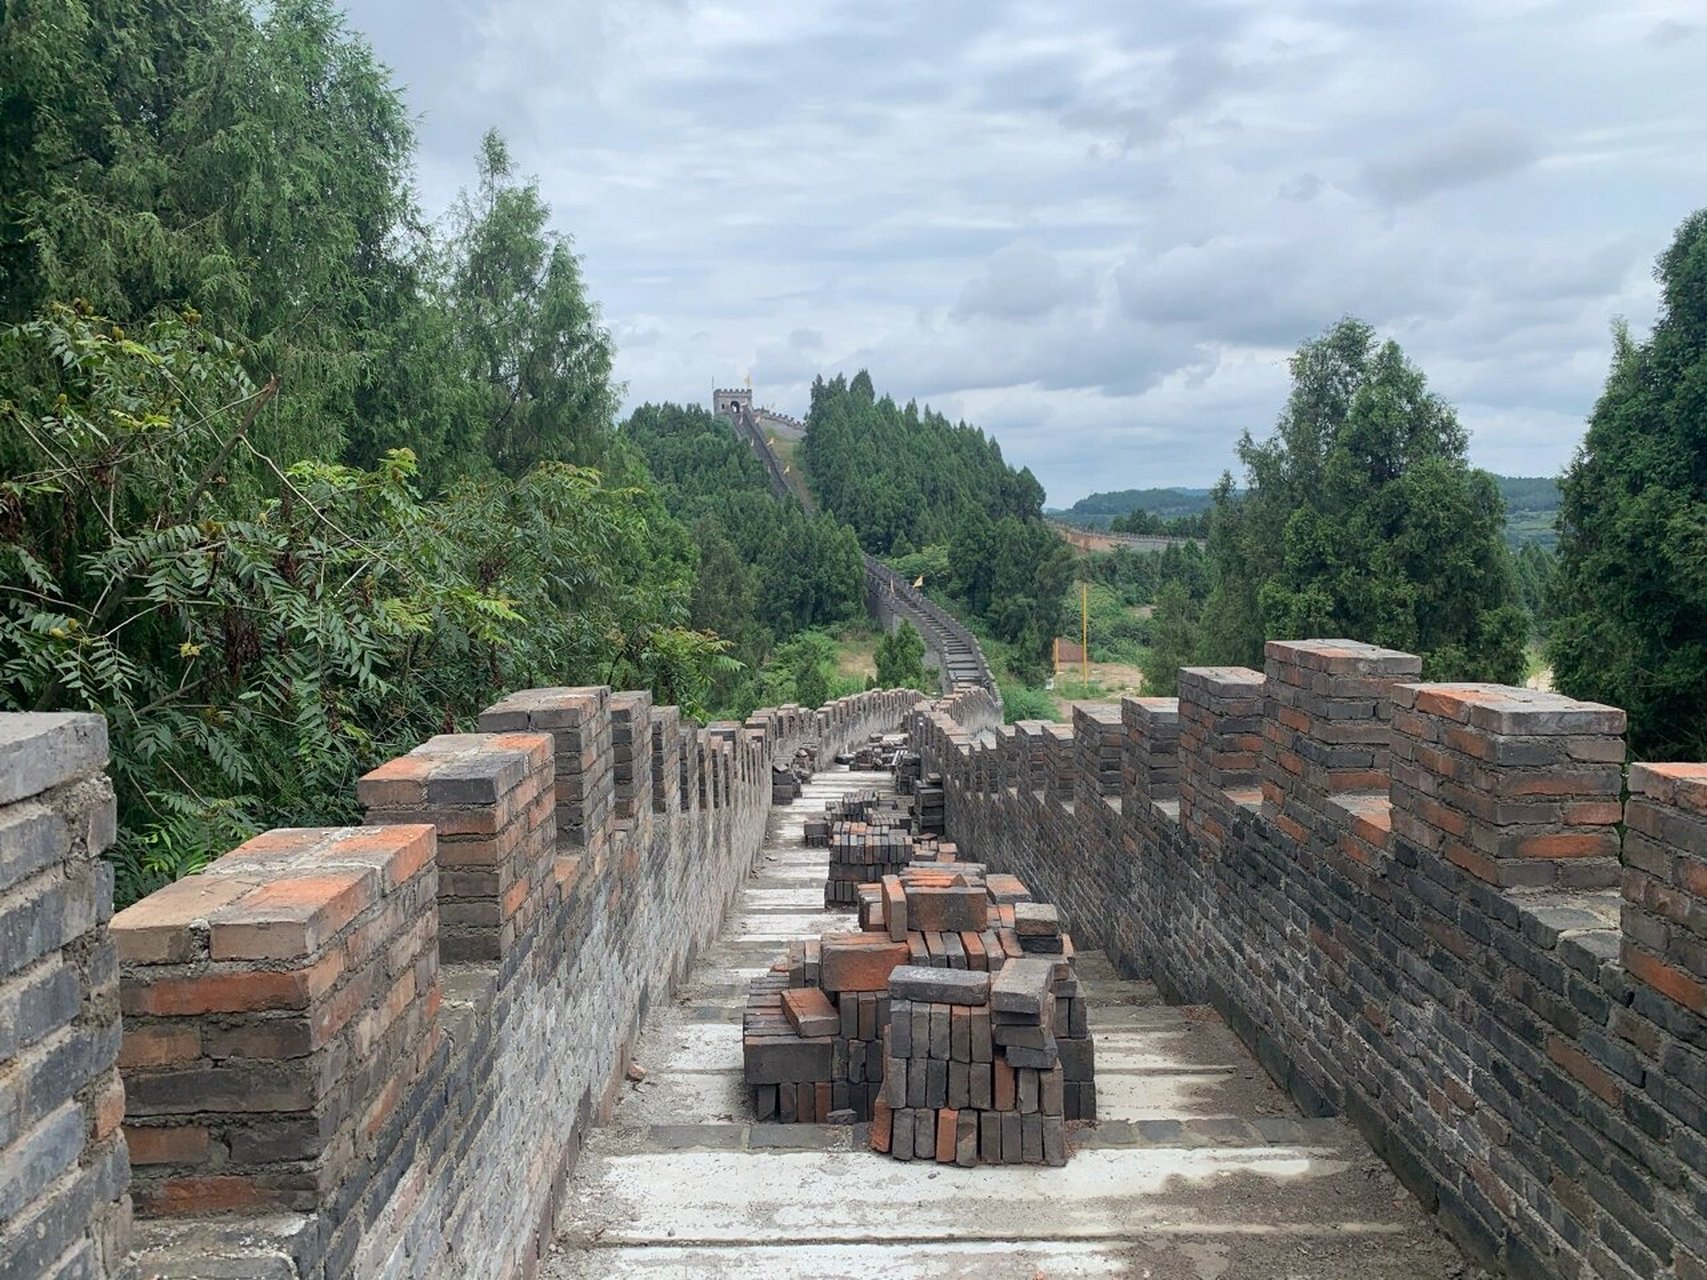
(159, 1044)
(859, 961)
(396, 783)
(177, 1144)
(158, 930)
(1671, 982)
(1590, 1074)
(241, 991)
(292, 917)
(882, 1125)
(1566, 845)
(947, 1126)
(109, 1107)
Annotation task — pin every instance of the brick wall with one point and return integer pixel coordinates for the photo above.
(1427, 919)
(331, 1038)
(64, 1206)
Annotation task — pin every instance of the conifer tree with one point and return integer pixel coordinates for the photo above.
(1630, 624)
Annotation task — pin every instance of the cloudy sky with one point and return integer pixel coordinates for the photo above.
(1093, 227)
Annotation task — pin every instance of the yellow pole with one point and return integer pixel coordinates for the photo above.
(1085, 632)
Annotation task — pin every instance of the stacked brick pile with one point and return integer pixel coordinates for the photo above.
(861, 853)
(952, 1021)
(785, 784)
(491, 796)
(928, 805)
(909, 766)
(276, 1009)
(974, 1072)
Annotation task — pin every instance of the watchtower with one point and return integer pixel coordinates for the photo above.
(732, 402)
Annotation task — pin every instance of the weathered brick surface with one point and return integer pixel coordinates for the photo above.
(1518, 788)
(64, 1207)
(1534, 1072)
(490, 797)
(529, 1047)
(276, 1009)
(579, 722)
(1221, 727)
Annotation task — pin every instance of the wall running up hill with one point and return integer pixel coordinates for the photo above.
(1436, 909)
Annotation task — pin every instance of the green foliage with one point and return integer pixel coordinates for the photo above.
(1146, 522)
(801, 669)
(1168, 504)
(767, 570)
(909, 478)
(1361, 518)
(1537, 580)
(256, 646)
(1027, 702)
(533, 341)
(1631, 625)
(900, 659)
(255, 165)
(1175, 640)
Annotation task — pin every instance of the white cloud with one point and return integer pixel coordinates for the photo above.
(1093, 227)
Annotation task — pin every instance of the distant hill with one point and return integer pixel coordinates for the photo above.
(1532, 504)
(1095, 511)
(1531, 507)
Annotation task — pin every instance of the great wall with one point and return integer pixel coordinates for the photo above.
(1388, 978)
(1429, 910)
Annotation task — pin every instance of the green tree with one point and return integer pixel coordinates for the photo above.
(255, 652)
(1361, 517)
(900, 659)
(537, 351)
(1174, 643)
(252, 165)
(1631, 625)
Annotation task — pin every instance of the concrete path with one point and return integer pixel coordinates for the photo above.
(1198, 1169)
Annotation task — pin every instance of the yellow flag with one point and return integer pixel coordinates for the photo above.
(919, 581)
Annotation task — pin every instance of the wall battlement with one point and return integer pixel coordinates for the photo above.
(332, 1038)
(1432, 908)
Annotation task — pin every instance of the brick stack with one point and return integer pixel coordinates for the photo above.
(974, 1073)
(579, 723)
(952, 1020)
(929, 804)
(861, 853)
(785, 784)
(492, 800)
(276, 1009)
(909, 766)
(1517, 787)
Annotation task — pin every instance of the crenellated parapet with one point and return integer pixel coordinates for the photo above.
(1442, 910)
(331, 1036)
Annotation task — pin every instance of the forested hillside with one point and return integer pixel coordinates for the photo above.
(290, 478)
(767, 570)
(912, 483)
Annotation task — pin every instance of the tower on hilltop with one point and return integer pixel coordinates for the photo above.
(731, 402)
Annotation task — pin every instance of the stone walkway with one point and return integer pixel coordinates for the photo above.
(1198, 1169)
